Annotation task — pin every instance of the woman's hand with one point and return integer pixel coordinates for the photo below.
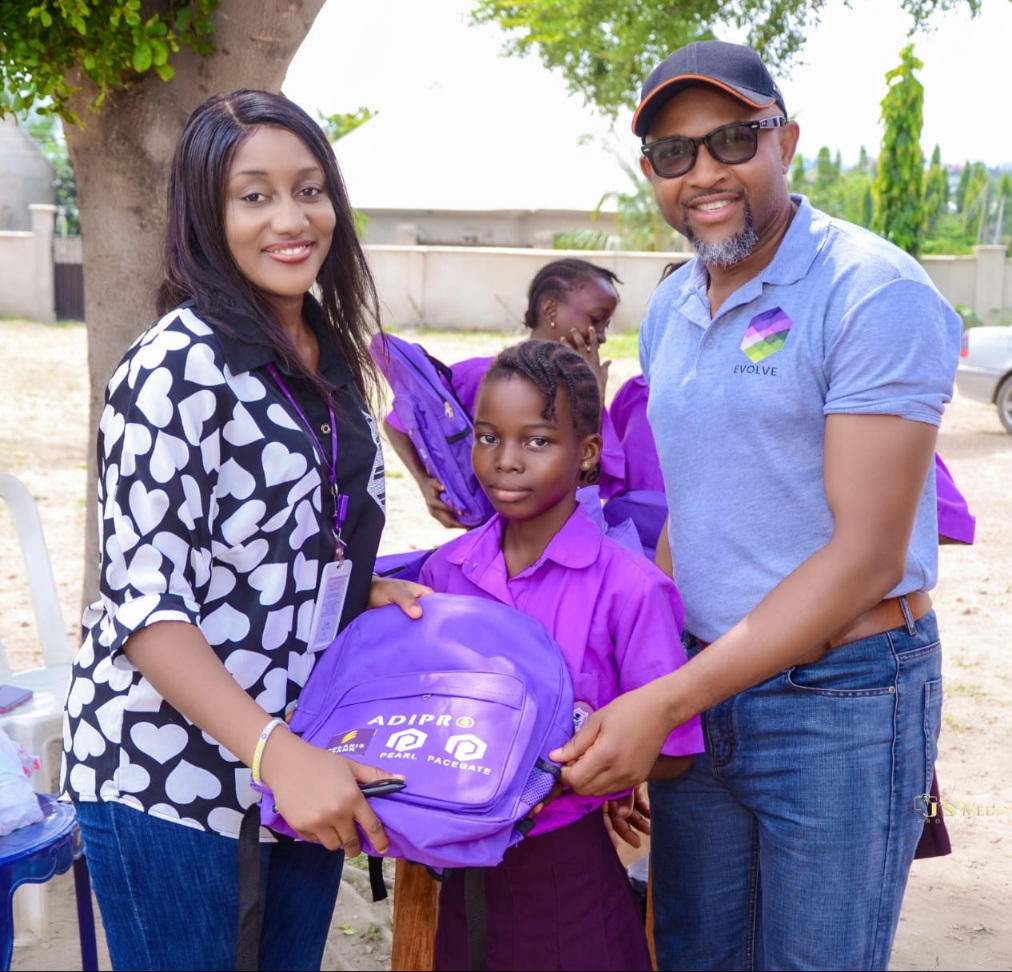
(628, 817)
(588, 349)
(317, 792)
(405, 594)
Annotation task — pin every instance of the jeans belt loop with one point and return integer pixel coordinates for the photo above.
(907, 615)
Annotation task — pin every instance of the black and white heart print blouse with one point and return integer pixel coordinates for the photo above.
(213, 510)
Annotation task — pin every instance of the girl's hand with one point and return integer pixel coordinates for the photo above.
(553, 794)
(628, 817)
(317, 792)
(588, 349)
(405, 594)
(432, 490)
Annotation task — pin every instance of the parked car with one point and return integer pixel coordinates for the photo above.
(985, 369)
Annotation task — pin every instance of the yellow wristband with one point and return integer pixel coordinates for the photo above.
(258, 753)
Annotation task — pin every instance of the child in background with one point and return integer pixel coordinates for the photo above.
(628, 412)
(569, 301)
(560, 898)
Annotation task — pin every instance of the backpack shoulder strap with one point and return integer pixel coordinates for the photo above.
(376, 883)
(247, 946)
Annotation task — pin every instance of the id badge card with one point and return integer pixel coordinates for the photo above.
(329, 603)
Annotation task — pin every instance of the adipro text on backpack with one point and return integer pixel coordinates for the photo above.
(440, 428)
(466, 702)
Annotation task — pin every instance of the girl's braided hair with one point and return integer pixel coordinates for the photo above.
(547, 364)
(559, 277)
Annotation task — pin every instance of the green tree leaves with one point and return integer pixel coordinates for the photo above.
(605, 50)
(899, 181)
(43, 44)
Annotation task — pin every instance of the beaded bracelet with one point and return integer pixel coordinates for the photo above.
(258, 753)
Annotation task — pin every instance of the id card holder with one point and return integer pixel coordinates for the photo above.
(329, 603)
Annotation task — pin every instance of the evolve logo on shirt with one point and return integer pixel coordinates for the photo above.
(766, 334)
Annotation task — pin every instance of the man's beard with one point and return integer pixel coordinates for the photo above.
(726, 253)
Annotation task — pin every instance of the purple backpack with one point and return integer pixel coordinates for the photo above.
(466, 702)
(440, 428)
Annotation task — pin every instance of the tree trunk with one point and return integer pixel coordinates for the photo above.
(121, 158)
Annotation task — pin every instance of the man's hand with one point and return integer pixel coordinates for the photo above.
(617, 746)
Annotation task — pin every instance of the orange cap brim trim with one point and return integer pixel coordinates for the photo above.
(702, 79)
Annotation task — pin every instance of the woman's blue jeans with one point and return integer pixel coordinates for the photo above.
(169, 894)
(788, 843)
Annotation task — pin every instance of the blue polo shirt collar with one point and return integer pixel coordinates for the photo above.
(799, 247)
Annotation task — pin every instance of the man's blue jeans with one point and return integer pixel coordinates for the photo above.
(169, 894)
(788, 843)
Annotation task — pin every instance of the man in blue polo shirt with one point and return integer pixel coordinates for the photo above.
(798, 370)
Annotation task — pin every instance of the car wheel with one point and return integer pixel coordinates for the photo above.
(1004, 402)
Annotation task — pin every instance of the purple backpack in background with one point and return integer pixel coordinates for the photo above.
(466, 702)
(440, 428)
(956, 524)
(647, 508)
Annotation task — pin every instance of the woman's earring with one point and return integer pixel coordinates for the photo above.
(551, 322)
(584, 464)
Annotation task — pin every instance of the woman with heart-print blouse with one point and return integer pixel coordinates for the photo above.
(240, 502)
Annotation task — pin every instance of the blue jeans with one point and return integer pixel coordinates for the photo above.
(169, 894)
(788, 843)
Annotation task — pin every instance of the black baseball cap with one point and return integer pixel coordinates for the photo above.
(733, 68)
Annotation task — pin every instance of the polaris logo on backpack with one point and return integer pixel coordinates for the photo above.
(352, 742)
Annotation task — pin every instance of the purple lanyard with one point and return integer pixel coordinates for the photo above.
(340, 499)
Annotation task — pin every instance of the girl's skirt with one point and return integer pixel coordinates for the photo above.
(561, 900)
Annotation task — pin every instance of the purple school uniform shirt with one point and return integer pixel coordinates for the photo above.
(616, 617)
(628, 412)
(467, 376)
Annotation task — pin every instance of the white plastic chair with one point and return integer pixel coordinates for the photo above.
(38, 723)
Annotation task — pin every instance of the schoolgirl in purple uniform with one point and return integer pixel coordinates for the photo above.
(560, 898)
(570, 301)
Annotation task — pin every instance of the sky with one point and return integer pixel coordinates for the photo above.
(387, 54)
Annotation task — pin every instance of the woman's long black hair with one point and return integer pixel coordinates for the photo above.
(198, 263)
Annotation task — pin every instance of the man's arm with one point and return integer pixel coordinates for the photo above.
(874, 471)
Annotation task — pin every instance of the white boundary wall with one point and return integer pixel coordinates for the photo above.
(485, 288)
(480, 288)
(26, 268)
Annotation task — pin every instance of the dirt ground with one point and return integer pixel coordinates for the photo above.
(956, 913)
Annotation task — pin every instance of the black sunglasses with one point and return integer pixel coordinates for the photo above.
(729, 144)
